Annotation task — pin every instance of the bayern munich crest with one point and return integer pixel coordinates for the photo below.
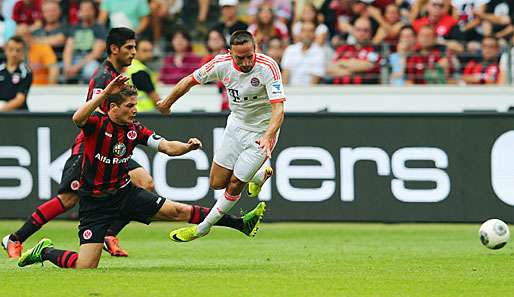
(131, 134)
(119, 149)
(255, 82)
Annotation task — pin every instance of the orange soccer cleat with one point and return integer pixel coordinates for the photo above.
(111, 245)
(13, 248)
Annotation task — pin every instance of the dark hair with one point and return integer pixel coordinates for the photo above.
(209, 34)
(241, 37)
(17, 39)
(118, 37)
(186, 36)
(120, 97)
(407, 27)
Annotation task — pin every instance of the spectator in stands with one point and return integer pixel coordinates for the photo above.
(444, 25)
(487, 70)
(281, 8)
(85, 45)
(430, 64)
(358, 63)
(133, 14)
(497, 17)
(144, 78)
(230, 22)
(398, 60)
(181, 62)
(216, 45)
(53, 32)
(15, 77)
(389, 26)
(310, 14)
(303, 63)
(42, 60)
(276, 50)
(28, 12)
(469, 23)
(337, 16)
(266, 27)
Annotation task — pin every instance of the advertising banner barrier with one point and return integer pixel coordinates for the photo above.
(328, 167)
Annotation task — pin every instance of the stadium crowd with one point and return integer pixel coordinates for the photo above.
(395, 42)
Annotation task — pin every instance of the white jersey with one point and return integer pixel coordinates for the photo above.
(250, 94)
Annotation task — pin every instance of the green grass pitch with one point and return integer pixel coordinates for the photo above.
(285, 259)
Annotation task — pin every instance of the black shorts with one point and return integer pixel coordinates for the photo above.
(129, 204)
(70, 179)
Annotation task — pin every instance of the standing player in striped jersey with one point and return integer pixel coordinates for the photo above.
(121, 49)
(256, 97)
(106, 192)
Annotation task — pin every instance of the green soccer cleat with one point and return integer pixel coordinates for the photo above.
(185, 234)
(33, 255)
(253, 219)
(253, 189)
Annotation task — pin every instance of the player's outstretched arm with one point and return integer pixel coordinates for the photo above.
(182, 87)
(82, 114)
(177, 148)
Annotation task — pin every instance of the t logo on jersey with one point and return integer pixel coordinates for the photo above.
(234, 94)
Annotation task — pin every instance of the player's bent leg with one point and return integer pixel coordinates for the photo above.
(89, 255)
(254, 186)
(44, 213)
(142, 179)
(219, 176)
(173, 211)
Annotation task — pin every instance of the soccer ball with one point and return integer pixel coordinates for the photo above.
(494, 234)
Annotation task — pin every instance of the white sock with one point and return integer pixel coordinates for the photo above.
(259, 176)
(222, 206)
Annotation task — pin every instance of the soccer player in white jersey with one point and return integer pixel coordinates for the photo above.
(256, 97)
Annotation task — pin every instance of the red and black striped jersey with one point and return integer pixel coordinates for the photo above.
(107, 149)
(102, 76)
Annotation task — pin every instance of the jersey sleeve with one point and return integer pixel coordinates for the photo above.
(208, 72)
(25, 83)
(91, 124)
(274, 86)
(143, 134)
(142, 81)
(98, 84)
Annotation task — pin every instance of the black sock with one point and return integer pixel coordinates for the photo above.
(116, 227)
(61, 258)
(29, 227)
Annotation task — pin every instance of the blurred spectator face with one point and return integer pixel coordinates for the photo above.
(215, 41)
(14, 52)
(51, 11)
(407, 39)
(435, 9)
(392, 14)
(358, 7)
(265, 15)
(180, 43)
(426, 37)
(275, 49)
(307, 34)
(362, 30)
(144, 51)
(229, 12)
(309, 13)
(87, 11)
(489, 48)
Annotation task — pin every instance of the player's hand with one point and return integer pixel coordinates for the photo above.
(194, 144)
(116, 84)
(266, 144)
(162, 106)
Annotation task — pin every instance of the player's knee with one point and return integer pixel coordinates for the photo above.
(217, 184)
(69, 200)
